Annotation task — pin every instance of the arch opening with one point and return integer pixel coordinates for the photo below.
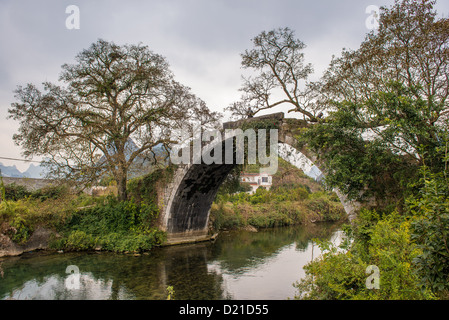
(186, 215)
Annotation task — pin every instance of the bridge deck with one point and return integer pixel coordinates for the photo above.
(238, 124)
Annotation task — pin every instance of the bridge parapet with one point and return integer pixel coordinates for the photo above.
(239, 123)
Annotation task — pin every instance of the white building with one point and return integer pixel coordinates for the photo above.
(256, 180)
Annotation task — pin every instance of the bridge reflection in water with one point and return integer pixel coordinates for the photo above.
(238, 265)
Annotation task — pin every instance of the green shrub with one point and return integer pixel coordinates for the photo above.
(113, 226)
(431, 231)
(16, 192)
(50, 192)
(341, 274)
(79, 240)
(225, 216)
(21, 230)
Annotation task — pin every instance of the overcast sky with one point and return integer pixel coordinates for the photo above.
(201, 39)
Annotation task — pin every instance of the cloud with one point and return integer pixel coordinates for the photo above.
(201, 39)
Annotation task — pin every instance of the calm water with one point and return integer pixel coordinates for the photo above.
(238, 265)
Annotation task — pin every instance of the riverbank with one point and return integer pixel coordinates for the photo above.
(54, 218)
(284, 206)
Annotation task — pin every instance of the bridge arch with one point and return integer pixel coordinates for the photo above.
(187, 199)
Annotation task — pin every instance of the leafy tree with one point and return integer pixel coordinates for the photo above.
(278, 63)
(387, 104)
(116, 103)
(410, 47)
(387, 136)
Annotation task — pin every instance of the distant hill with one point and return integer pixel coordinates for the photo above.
(36, 172)
(140, 165)
(10, 171)
(33, 171)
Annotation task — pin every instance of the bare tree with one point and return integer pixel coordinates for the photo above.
(112, 95)
(278, 62)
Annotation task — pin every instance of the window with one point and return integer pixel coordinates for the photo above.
(265, 179)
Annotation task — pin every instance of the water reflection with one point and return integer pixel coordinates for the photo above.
(239, 265)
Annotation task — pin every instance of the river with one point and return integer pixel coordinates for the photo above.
(238, 265)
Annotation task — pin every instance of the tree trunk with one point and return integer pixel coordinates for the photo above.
(122, 194)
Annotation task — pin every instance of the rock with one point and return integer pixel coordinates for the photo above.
(38, 240)
(249, 228)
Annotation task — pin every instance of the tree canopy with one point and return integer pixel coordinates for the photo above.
(114, 104)
(387, 103)
(278, 67)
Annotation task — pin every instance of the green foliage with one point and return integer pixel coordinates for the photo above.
(403, 166)
(232, 182)
(2, 187)
(341, 274)
(15, 192)
(115, 226)
(101, 222)
(334, 276)
(132, 242)
(79, 240)
(262, 124)
(20, 230)
(144, 189)
(170, 293)
(279, 206)
(431, 231)
(18, 217)
(378, 166)
(50, 192)
(225, 216)
(274, 218)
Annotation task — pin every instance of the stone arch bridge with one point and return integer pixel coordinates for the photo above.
(186, 200)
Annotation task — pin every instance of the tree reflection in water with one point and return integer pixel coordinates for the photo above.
(238, 265)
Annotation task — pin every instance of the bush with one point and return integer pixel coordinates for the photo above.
(114, 226)
(224, 216)
(80, 240)
(16, 192)
(431, 232)
(20, 230)
(119, 242)
(328, 210)
(341, 274)
(50, 192)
